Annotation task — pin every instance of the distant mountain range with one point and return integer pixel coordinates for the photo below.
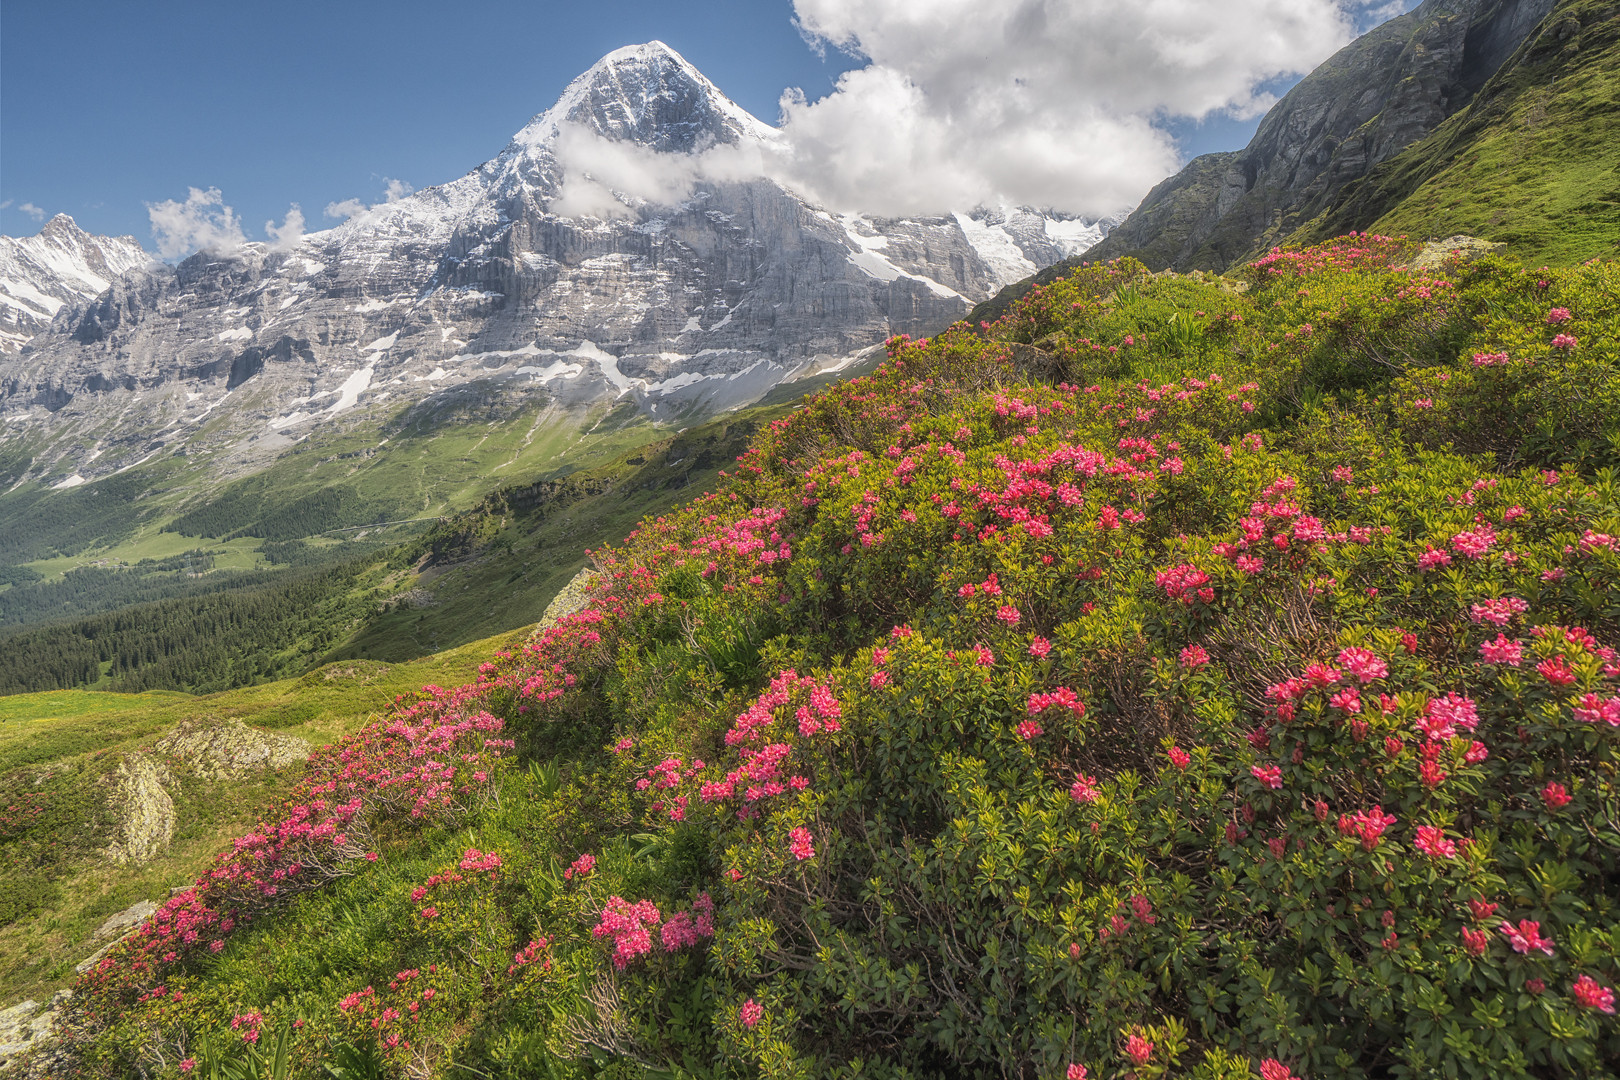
(530, 278)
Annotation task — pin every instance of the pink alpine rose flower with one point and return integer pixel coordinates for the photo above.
(1591, 994)
(1433, 843)
(1526, 937)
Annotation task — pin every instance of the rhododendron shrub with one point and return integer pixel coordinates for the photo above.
(1136, 687)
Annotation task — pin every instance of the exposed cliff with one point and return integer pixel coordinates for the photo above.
(1380, 94)
(1531, 161)
(59, 266)
(533, 276)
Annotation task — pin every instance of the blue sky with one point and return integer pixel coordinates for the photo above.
(108, 106)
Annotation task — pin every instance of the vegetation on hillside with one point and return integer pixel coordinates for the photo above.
(491, 568)
(1174, 681)
(60, 755)
(1530, 161)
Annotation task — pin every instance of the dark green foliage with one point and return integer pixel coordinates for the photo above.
(253, 507)
(203, 643)
(98, 513)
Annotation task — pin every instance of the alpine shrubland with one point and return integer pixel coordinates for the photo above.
(1178, 677)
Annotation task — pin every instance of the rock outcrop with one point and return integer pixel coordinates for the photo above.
(1375, 97)
(58, 267)
(25, 1029)
(219, 749)
(144, 811)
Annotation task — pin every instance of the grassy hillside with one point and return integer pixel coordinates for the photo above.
(488, 569)
(60, 756)
(1531, 161)
(408, 469)
(1175, 681)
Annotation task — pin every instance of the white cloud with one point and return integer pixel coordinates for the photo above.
(345, 210)
(286, 236)
(393, 191)
(32, 211)
(202, 223)
(603, 178)
(1040, 102)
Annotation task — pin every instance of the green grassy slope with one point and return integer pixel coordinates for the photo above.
(1532, 160)
(499, 564)
(489, 569)
(59, 750)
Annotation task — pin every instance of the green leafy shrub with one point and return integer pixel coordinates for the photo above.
(1146, 686)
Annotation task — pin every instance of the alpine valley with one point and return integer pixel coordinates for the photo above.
(551, 626)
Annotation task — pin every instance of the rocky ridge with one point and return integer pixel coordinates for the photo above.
(1378, 95)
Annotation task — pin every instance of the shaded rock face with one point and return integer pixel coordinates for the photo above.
(685, 309)
(1375, 97)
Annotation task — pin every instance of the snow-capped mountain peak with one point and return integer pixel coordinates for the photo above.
(59, 265)
(630, 242)
(649, 95)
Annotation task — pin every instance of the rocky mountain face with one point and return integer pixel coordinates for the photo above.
(60, 266)
(1548, 114)
(695, 297)
(1375, 97)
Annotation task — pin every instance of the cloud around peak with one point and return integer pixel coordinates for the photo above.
(202, 223)
(344, 209)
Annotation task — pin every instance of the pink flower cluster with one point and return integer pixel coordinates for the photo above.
(629, 925)
(528, 955)
(1591, 994)
(687, 928)
(1366, 825)
(1433, 843)
(1444, 716)
(1363, 664)
(1499, 611)
(1061, 698)
(1185, 583)
(1526, 937)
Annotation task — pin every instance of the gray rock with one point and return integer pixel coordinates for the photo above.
(122, 923)
(25, 1028)
(93, 959)
(221, 748)
(59, 266)
(145, 810)
(1465, 248)
(1375, 97)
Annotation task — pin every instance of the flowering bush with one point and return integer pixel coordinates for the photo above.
(1140, 687)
